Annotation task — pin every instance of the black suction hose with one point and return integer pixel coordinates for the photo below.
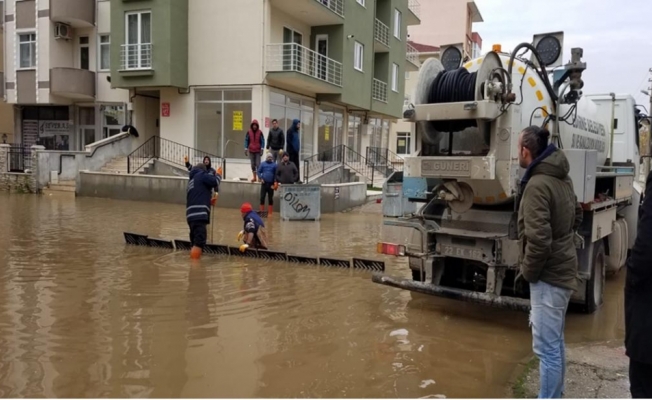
(452, 87)
(543, 74)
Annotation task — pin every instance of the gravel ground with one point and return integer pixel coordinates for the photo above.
(593, 371)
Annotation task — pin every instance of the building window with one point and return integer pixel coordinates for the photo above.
(395, 77)
(113, 119)
(397, 24)
(403, 143)
(105, 52)
(361, 2)
(27, 48)
(137, 53)
(84, 53)
(358, 56)
(285, 108)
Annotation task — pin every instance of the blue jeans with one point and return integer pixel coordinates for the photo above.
(548, 319)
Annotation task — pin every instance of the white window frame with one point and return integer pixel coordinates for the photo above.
(358, 56)
(101, 45)
(86, 45)
(407, 136)
(398, 17)
(361, 2)
(139, 41)
(31, 43)
(395, 75)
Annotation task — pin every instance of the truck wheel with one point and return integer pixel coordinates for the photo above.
(595, 285)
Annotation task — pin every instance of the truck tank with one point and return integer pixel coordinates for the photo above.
(490, 148)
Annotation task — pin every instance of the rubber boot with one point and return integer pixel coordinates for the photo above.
(270, 209)
(253, 180)
(262, 207)
(195, 253)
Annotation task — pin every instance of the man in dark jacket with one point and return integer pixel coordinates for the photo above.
(198, 206)
(253, 233)
(267, 175)
(275, 140)
(287, 173)
(294, 143)
(254, 145)
(207, 163)
(548, 217)
(638, 303)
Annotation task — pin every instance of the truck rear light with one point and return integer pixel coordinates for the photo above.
(391, 249)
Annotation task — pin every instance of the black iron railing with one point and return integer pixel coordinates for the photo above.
(343, 156)
(20, 158)
(384, 157)
(163, 149)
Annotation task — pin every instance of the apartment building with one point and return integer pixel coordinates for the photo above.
(476, 49)
(6, 109)
(198, 72)
(57, 73)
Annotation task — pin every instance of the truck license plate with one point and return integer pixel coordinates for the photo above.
(461, 252)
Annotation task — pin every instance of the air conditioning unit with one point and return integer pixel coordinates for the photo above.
(62, 31)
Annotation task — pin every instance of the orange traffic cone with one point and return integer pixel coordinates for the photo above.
(195, 253)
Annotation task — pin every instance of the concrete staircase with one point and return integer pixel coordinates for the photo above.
(116, 166)
(62, 186)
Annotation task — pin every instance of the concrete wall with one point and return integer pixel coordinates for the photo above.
(161, 168)
(17, 182)
(71, 162)
(172, 189)
(338, 175)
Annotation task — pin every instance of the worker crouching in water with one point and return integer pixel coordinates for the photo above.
(267, 176)
(198, 205)
(254, 234)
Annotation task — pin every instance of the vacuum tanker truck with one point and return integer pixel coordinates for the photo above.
(462, 243)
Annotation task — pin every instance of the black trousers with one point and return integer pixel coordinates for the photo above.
(640, 379)
(294, 158)
(267, 190)
(198, 233)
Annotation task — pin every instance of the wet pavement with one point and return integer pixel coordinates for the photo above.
(84, 315)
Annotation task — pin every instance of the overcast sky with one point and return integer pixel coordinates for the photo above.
(616, 36)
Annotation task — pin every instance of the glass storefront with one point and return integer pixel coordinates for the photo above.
(222, 119)
(285, 109)
(330, 131)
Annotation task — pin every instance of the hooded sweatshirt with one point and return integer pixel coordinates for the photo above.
(294, 144)
(254, 140)
(548, 217)
(209, 166)
(267, 171)
(198, 195)
(275, 139)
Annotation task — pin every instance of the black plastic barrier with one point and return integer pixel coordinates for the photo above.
(222, 250)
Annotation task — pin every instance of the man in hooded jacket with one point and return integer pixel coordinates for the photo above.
(294, 143)
(207, 163)
(275, 140)
(254, 145)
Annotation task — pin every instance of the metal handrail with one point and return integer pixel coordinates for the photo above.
(381, 32)
(342, 155)
(379, 90)
(384, 158)
(415, 7)
(292, 57)
(175, 153)
(136, 56)
(336, 6)
(412, 55)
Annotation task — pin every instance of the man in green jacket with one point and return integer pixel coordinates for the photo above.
(548, 217)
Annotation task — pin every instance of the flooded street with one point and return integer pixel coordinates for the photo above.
(84, 315)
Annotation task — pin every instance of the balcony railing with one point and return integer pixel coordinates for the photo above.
(412, 54)
(381, 32)
(379, 91)
(136, 56)
(415, 7)
(336, 6)
(291, 57)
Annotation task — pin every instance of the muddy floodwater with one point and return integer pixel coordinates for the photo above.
(84, 315)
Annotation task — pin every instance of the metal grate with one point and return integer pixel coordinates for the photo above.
(379, 91)
(334, 262)
(160, 244)
(182, 245)
(216, 249)
(136, 56)
(369, 265)
(20, 158)
(303, 260)
(272, 255)
(381, 32)
(135, 239)
(292, 57)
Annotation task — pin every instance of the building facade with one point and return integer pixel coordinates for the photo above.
(57, 73)
(6, 109)
(198, 72)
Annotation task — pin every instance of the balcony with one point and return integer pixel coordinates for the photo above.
(381, 36)
(412, 57)
(379, 91)
(76, 13)
(414, 15)
(72, 83)
(295, 66)
(136, 57)
(313, 12)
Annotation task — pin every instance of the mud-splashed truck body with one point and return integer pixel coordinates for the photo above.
(463, 241)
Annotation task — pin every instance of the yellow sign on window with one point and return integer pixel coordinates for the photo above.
(401, 142)
(327, 132)
(237, 121)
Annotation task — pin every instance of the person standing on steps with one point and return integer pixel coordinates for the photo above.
(294, 143)
(548, 218)
(267, 176)
(286, 172)
(254, 145)
(199, 201)
(275, 140)
(638, 303)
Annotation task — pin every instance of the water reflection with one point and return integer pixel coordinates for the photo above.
(83, 315)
